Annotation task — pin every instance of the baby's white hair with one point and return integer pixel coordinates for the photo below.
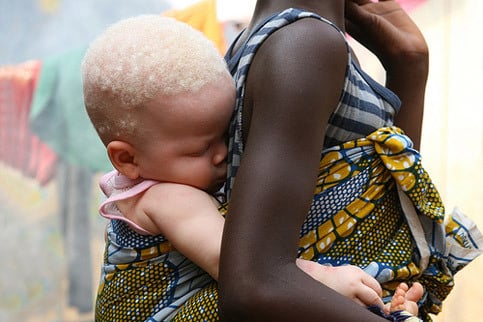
(141, 57)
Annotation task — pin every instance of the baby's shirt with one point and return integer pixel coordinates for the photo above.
(116, 187)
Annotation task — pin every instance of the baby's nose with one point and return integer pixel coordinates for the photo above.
(220, 154)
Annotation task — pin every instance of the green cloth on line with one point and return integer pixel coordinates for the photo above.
(58, 115)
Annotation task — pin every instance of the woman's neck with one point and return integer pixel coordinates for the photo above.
(332, 10)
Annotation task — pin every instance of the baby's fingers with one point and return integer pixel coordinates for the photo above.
(372, 283)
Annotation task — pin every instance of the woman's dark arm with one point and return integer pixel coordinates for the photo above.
(293, 86)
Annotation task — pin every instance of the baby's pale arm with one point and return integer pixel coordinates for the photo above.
(189, 219)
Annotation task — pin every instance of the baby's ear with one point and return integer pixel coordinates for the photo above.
(122, 155)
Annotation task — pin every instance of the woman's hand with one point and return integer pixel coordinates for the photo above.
(387, 30)
(348, 280)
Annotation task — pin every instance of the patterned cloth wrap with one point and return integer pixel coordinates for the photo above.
(396, 316)
(143, 278)
(356, 218)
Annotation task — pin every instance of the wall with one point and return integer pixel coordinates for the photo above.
(452, 143)
(453, 128)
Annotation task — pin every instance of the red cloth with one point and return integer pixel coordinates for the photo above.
(19, 147)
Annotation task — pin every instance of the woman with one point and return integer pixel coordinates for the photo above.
(301, 92)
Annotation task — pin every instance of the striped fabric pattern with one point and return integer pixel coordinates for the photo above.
(364, 106)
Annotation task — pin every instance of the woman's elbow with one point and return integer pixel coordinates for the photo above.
(241, 298)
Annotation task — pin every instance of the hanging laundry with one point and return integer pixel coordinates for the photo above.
(58, 115)
(202, 16)
(19, 147)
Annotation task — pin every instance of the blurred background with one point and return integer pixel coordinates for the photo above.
(51, 237)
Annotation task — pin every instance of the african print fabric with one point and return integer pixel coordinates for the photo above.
(358, 218)
(144, 278)
(396, 316)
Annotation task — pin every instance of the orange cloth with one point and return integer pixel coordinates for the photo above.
(202, 16)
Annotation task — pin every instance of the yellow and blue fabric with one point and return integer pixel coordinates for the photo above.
(395, 316)
(144, 278)
(357, 218)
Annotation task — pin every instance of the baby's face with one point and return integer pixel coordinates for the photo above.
(186, 138)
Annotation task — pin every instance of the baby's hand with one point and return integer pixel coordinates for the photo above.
(386, 29)
(348, 280)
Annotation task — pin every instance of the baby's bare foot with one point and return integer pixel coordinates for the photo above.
(405, 298)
